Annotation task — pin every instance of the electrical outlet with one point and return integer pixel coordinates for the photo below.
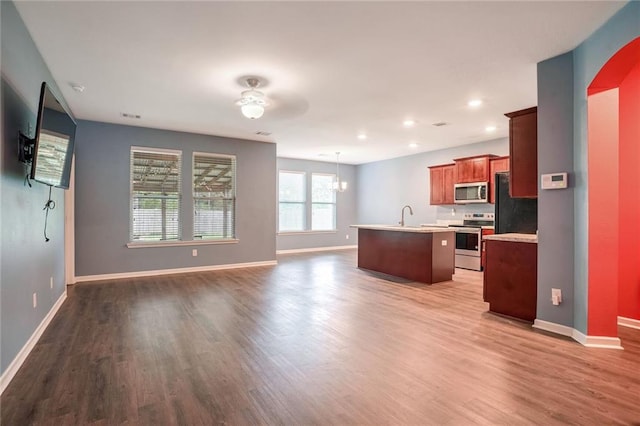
(51, 282)
(194, 252)
(347, 237)
(35, 299)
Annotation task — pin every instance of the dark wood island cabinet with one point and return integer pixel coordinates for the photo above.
(418, 254)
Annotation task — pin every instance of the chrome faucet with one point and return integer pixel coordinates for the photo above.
(402, 219)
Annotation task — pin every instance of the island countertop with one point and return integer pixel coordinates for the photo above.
(415, 229)
(513, 237)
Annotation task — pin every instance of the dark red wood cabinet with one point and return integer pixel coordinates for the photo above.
(510, 278)
(418, 256)
(442, 180)
(483, 257)
(523, 152)
(496, 165)
(472, 169)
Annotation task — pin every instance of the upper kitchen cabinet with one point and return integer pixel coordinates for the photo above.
(472, 169)
(442, 180)
(523, 150)
(496, 165)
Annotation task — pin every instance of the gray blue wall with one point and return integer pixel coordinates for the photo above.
(26, 262)
(345, 205)
(102, 200)
(555, 207)
(384, 187)
(588, 59)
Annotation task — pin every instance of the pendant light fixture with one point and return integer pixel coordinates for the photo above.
(252, 101)
(338, 185)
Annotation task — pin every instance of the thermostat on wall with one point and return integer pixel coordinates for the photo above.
(554, 181)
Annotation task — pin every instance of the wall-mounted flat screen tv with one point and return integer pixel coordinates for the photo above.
(54, 142)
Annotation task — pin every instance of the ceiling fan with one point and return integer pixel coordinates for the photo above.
(252, 101)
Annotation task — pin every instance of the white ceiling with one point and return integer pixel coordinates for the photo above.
(334, 69)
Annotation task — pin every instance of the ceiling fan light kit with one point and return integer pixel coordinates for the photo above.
(252, 101)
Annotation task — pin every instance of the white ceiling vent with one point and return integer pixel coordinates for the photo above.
(261, 133)
(127, 115)
(440, 124)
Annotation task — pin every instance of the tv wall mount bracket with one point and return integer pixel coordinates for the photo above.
(26, 148)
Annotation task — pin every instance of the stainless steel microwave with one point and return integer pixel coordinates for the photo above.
(466, 193)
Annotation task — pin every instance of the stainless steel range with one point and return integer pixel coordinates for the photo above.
(469, 239)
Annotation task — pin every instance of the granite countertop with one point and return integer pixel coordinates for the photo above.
(518, 238)
(487, 227)
(418, 229)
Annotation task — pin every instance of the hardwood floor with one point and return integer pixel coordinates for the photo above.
(313, 340)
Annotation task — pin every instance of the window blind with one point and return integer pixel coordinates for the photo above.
(214, 196)
(155, 194)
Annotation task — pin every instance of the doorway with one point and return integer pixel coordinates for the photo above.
(614, 194)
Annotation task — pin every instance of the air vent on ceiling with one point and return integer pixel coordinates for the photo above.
(440, 124)
(263, 133)
(134, 116)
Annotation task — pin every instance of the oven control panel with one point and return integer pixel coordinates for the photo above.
(479, 216)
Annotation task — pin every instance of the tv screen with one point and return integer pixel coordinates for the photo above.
(54, 142)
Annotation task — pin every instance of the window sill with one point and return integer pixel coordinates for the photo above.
(334, 231)
(180, 243)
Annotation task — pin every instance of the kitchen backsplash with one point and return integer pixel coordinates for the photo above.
(457, 211)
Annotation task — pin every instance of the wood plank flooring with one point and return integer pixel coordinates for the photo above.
(312, 340)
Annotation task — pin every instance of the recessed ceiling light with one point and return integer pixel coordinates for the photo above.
(474, 103)
(413, 145)
(409, 123)
(490, 128)
(77, 87)
(362, 136)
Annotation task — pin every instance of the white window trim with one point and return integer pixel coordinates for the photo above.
(153, 150)
(181, 243)
(334, 231)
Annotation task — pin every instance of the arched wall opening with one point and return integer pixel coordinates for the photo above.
(614, 193)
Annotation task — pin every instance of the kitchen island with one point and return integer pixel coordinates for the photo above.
(423, 254)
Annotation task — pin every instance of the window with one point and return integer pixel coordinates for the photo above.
(292, 197)
(214, 196)
(296, 212)
(323, 202)
(155, 194)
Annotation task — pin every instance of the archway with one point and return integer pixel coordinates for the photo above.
(614, 194)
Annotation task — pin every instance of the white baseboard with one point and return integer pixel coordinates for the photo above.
(309, 250)
(17, 362)
(553, 327)
(588, 341)
(85, 278)
(597, 341)
(629, 322)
